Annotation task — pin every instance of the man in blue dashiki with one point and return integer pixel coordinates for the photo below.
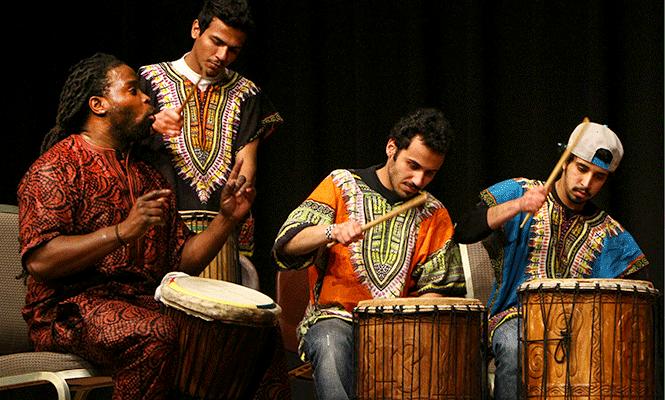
(568, 237)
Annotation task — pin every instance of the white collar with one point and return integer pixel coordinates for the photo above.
(181, 67)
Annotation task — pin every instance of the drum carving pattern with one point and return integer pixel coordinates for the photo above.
(419, 348)
(588, 339)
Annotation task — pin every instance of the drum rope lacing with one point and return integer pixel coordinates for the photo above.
(563, 347)
(563, 344)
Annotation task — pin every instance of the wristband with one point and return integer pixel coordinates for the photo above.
(329, 232)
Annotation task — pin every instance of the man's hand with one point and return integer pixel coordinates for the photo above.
(237, 195)
(347, 232)
(147, 211)
(533, 199)
(168, 122)
(530, 202)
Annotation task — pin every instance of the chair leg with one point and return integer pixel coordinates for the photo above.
(301, 372)
(81, 394)
(55, 379)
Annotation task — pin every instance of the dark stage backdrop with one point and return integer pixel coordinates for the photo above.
(513, 77)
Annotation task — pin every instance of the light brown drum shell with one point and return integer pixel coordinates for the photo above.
(419, 348)
(588, 338)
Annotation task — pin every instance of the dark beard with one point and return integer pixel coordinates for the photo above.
(134, 132)
(140, 131)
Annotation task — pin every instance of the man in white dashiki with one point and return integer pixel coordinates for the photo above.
(568, 237)
(225, 120)
(409, 255)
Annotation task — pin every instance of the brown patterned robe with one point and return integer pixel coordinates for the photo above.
(106, 313)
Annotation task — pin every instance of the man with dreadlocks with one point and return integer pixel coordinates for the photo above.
(99, 230)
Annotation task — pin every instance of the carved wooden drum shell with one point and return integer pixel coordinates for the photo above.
(420, 348)
(588, 339)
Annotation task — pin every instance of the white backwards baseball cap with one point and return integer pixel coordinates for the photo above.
(597, 145)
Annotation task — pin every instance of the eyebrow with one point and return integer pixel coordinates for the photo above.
(220, 40)
(411, 160)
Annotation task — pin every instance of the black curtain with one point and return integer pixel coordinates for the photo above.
(514, 78)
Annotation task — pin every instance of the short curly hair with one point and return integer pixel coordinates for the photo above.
(234, 13)
(428, 123)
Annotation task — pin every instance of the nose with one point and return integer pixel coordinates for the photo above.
(222, 54)
(585, 180)
(145, 98)
(419, 179)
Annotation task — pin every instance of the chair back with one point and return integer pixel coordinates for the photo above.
(478, 271)
(14, 330)
(293, 297)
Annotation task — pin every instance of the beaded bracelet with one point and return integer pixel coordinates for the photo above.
(329, 232)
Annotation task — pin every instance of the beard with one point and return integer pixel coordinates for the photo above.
(127, 128)
(140, 130)
(575, 198)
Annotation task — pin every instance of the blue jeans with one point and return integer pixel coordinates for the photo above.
(506, 347)
(328, 345)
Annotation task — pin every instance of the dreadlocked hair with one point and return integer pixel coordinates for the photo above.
(87, 78)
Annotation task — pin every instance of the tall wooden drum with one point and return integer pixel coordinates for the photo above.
(420, 348)
(225, 266)
(225, 337)
(588, 339)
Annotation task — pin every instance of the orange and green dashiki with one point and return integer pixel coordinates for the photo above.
(409, 255)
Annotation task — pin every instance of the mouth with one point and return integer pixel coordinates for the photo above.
(151, 114)
(411, 188)
(215, 65)
(581, 193)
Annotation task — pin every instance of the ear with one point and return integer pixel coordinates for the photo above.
(196, 29)
(98, 105)
(391, 148)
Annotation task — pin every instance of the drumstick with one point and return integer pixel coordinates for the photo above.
(191, 93)
(414, 202)
(559, 164)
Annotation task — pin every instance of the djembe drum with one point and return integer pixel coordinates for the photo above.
(225, 333)
(225, 266)
(420, 348)
(588, 339)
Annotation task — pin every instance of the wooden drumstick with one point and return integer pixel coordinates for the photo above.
(559, 164)
(191, 93)
(414, 202)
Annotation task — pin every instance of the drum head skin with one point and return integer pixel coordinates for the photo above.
(212, 299)
(406, 304)
(589, 284)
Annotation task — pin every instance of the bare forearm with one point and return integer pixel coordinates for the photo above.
(248, 155)
(66, 255)
(306, 241)
(201, 249)
(313, 237)
(530, 202)
(502, 213)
